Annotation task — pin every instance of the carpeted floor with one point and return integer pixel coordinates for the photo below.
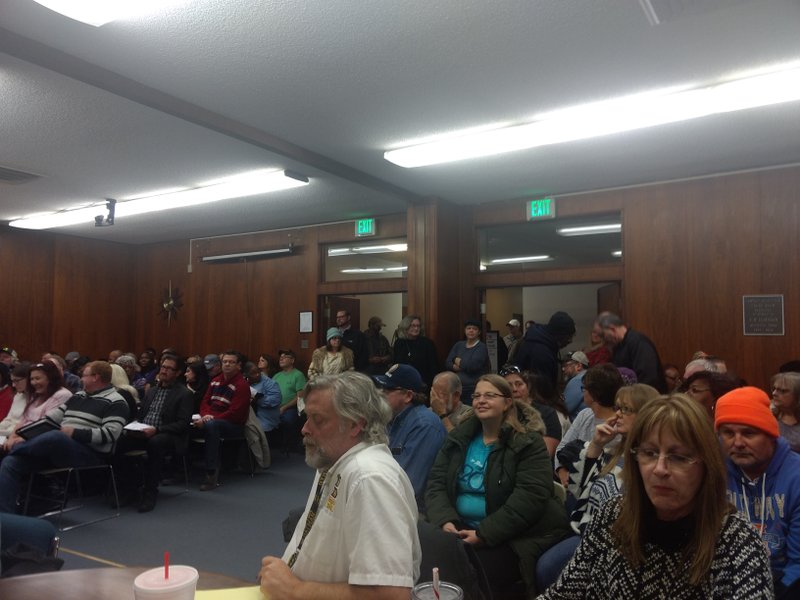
(226, 531)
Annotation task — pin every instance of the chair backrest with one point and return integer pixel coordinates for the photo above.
(456, 561)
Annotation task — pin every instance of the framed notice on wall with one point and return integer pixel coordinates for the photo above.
(306, 321)
(763, 315)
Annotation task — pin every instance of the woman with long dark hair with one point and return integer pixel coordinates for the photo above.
(45, 391)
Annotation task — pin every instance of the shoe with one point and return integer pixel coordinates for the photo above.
(210, 482)
(126, 497)
(148, 501)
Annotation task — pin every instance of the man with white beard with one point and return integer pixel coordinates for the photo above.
(357, 537)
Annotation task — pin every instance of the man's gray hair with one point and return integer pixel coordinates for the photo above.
(453, 382)
(609, 319)
(356, 399)
(701, 364)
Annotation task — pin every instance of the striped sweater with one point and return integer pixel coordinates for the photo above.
(598, 570)
(98, 418)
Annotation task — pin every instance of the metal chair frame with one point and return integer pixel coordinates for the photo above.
(62, 503)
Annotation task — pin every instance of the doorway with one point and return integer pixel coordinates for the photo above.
(582, 301)
(390, 307)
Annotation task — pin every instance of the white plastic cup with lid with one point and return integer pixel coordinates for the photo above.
(152, 585)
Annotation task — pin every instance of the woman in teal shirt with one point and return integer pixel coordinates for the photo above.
(492, 486)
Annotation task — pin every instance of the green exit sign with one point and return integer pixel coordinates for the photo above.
(365, 227)
(544, 208)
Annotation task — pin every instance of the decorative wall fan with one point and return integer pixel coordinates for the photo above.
(171, 303)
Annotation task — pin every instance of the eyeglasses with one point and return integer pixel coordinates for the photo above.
(509, 370)
(625, 410)
(487, 395)
(649, 457)
(166, 368)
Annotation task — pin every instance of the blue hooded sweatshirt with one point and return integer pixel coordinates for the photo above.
(773, 499)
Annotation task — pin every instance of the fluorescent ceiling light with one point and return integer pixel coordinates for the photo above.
(252, 183)
(617, 115)
(100, 12)
(589, 229)
(367, 250)
(520, 259)
(375, 270)
(381, 249)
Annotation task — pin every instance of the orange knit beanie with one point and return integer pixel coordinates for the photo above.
(746, 406)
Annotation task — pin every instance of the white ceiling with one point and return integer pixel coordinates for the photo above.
(208, 88)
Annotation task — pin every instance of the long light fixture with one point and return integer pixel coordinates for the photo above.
(252, 183)
(520, 259)
(241, 256)
(589, 229)
(100, 12)
(375, 270)
(617, 115)
(347, 251)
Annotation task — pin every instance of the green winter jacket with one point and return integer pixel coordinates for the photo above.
(521, 507)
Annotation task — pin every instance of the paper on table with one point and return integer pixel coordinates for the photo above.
(242, 593)
(136, 426)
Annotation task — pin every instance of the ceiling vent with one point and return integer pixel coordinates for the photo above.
(9, 175)
(663, 11)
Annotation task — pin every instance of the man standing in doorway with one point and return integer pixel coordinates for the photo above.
(513, 338)
(379, 352)
(538, 350)
(353, 339)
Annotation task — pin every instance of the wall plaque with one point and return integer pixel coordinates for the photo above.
(763, 315)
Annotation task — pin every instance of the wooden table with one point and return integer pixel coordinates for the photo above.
(95, 584)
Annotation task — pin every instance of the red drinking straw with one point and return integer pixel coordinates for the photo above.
(166, 565)
(436, 582)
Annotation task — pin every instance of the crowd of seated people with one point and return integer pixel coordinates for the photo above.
(538, 490)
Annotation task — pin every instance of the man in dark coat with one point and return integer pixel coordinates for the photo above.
(163, 426)
(633, 350)
(538, 351)
(353, 339)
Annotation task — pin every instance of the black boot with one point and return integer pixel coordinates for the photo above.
(148, 501)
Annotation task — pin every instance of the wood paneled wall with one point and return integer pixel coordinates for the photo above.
(64, 293)
(691, 250)
(251, 306)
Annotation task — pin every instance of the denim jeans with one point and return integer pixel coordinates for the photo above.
(212, 431)
(553, 561)
(51, 449)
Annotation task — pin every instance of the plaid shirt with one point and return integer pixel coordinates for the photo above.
(153, 416)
